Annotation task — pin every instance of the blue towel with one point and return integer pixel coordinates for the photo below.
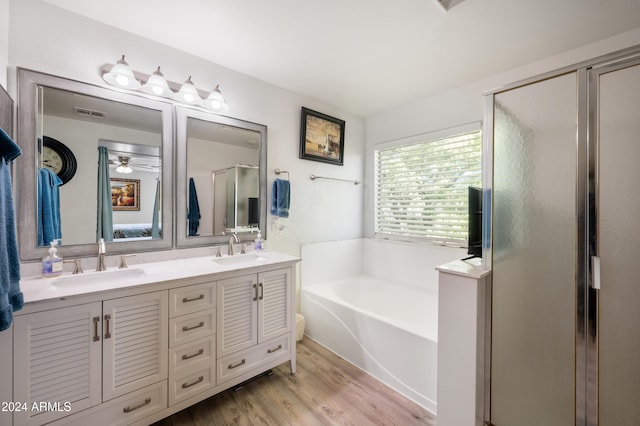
(10, 295)
(280, 198)
(8, 148)
(48, 207)
(193, 214)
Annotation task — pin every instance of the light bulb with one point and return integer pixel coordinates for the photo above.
(122, 76)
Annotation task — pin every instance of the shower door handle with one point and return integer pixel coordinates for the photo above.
(595, 272)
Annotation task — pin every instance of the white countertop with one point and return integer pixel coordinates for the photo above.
(36, 289)
(471, 268)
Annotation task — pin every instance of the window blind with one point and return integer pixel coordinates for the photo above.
(421, 189)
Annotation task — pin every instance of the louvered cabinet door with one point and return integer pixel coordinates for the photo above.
(274, 304)
(135, 343)
(237, 314)
(57, 362)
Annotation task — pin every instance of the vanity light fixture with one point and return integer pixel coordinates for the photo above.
(157, 85)
(124, 166)
(188, 93)
(121, 76)
(215, 100)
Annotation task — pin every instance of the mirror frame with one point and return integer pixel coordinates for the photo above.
(6, 112)
(182, 115)
(28, 81)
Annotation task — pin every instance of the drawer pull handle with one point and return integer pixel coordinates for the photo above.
(255, 288)
(187, 328)
(188, 385)
(142, 404)
(243, 362)
(261, 291)
(107, 333)
(270, 351)
(187, 300)
(200, 352)
(96, 320)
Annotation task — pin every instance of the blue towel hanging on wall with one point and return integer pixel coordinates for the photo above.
(280, 198)
(11, 298)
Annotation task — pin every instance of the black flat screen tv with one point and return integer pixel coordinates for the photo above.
(475, 222)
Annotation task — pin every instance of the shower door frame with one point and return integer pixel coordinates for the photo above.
(586, 330)
(592, 296)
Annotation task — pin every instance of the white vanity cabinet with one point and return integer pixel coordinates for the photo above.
(254, 323)
(135, 352)
(80, 356)
(57, 357)
(134, 343)
(192, 328)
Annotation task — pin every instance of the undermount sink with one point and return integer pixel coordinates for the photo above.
(92, 278)
(240, 259)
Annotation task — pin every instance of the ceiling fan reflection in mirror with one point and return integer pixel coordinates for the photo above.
(126, 164)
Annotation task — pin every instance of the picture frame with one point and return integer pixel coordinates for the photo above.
(125, 194)
(321, 137)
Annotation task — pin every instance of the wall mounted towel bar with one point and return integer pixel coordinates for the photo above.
(278, 172)
(314, 177)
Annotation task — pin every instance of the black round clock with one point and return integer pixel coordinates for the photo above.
(58, 158)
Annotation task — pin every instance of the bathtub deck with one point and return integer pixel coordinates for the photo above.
(326, 390)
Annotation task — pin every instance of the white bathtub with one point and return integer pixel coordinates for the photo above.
(387, 327)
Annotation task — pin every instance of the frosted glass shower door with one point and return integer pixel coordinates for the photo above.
(533, 343)
(618, 245)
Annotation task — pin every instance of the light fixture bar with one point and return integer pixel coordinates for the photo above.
(210, 100)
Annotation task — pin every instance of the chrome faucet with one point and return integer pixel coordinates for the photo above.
(232, 238)
(102, 251)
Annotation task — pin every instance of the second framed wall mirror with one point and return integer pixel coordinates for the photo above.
(221, 178)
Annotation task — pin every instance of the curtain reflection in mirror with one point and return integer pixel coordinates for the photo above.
(105, 213)
(155, 223)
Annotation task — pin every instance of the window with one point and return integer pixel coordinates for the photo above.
(421, 186)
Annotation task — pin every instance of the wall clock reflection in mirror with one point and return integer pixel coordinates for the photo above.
(57, 157)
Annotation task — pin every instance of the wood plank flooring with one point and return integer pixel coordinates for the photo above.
(326, 390)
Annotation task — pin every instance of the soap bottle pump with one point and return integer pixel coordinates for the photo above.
(258, 243)
(52, 265)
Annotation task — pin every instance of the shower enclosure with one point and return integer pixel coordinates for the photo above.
(565, 219)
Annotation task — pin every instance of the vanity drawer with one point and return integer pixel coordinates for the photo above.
(124, 410)
(187, 328)
(193, 298)
(185, 358)
(237, 364)
(191, 384)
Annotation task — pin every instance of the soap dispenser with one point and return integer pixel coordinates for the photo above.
(258, 243)
(52, 265)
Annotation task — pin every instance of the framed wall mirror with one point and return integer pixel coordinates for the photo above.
(221, 178)
(64, 126)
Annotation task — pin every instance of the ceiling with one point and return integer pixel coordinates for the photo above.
(366, 56)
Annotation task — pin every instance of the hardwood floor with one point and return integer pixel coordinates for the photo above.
(326, 390)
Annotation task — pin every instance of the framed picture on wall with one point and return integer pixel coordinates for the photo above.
(125, 194)
(321, 137)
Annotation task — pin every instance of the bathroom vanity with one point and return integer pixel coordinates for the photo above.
(132, 346)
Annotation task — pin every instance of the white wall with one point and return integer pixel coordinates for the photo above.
(48, 39)
(464, 105)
